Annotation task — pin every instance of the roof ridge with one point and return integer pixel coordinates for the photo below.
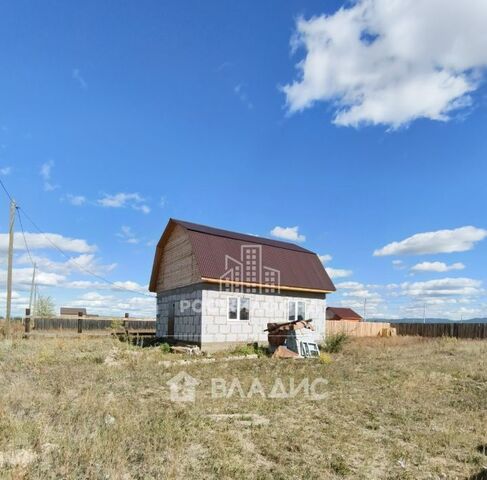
(238, 236)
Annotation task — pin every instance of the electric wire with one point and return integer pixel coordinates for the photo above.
(23, 235)
(59, 249)
(84, 269)
(6, 191)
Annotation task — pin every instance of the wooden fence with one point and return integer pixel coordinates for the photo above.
(457, 330)
(356, 329)
(373, 329)
(91, 323)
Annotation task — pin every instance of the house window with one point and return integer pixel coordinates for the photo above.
(232, 308)
(244, 308)
(238, 308)
(296, 310)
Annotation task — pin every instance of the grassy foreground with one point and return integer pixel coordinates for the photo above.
(396, 408)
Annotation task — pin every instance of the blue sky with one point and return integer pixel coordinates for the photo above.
(115, 117)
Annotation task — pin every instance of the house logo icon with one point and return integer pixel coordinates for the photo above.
(182, 387)
(248, 274)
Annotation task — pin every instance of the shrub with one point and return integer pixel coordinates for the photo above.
(165, 348)
(116, 324)
(325, 359)
(250, 349)
(335, 343)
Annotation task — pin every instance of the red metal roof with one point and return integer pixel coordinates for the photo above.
(299, 268)
(337, 313)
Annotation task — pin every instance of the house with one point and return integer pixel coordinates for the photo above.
(336, 313)
(217, 288)
(69, 311)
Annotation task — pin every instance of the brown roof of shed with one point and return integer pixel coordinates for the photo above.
(299, 268)
(340, 312)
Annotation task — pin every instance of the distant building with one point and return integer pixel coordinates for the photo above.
(336, 313)
(71, 311)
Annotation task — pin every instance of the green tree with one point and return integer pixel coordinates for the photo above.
(45, 307)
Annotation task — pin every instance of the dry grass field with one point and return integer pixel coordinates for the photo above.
(396, 408)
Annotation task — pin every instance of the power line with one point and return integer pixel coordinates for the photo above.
(23, 235)
(6, 191)
(84, 269)
(117, 287)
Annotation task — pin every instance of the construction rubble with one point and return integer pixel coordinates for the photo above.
(296, 339)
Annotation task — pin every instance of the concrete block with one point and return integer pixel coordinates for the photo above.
(235, 328)
(224, 329)
(211, 329)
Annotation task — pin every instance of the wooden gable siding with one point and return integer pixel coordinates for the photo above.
(178, 263)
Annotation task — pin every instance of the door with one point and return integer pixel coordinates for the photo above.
(170, 321)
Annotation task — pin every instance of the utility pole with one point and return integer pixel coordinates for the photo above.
(13, 208)
(32, 287)
(36, 295)
(424, 312)
(365, 309)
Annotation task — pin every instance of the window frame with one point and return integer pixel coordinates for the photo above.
(238, 319)
(296, 310)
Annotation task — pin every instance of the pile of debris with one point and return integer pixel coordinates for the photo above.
(296, 339)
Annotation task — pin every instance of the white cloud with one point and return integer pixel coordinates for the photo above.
(76, 73)
(117, 286)
(142, 208)
(4, 171)
(391, 62)
(353, 295)
(22, 278)
(436, 267)
(45, 173)
(288, 233)
(334, 272)
(398, 265)
(122, 200)
(76, 200)
(81, 263)
(46, 241)
(325, 258)
(440, 241)
(242, 96)
(443, 287)
(127, 235)
(110, 304)
(338, 272)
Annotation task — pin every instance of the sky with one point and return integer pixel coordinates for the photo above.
(356, 129)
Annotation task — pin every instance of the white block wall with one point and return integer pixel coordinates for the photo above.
(217, 328)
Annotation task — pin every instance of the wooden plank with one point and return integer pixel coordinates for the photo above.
(178, 264)
(355, 329)
(457, 330)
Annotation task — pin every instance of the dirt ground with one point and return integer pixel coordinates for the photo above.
(391, 408)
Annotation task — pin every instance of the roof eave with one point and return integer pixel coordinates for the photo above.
(280, 287)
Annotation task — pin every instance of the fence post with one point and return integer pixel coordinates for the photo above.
(27, 320)
(80, 322)
(126, 321)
